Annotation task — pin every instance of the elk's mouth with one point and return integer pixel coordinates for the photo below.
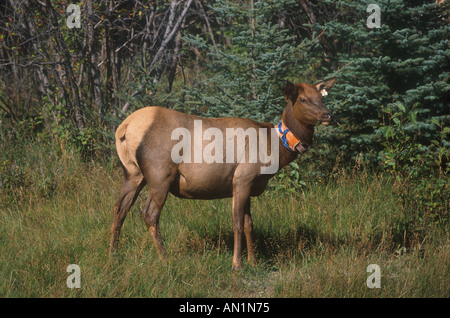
(327, 119)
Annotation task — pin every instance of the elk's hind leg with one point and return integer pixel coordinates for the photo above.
(158, 189)
(132, 185)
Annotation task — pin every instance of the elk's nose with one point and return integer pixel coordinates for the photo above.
(329, 116)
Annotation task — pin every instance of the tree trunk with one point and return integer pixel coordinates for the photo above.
(328, 52)
(253, 34)
(168, 36)
(93, 63)
(66, 62)
(174, 59)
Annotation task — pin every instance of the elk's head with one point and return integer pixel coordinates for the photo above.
(307, 106)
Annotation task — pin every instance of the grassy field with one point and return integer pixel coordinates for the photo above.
(316, 242)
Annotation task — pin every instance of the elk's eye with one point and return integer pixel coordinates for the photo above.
(302, 100)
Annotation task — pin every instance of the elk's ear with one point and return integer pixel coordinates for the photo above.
(324, 86)
(291, 92)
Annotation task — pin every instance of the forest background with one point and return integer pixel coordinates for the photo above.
(66, 84)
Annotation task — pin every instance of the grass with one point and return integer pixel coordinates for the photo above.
(56, 210)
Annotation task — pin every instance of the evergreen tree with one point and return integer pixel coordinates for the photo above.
(393, 80)
(248, 75)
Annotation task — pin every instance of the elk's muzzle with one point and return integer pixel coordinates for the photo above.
(327, 119)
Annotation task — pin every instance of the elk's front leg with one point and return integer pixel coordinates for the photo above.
(248, 230)
(241, 202)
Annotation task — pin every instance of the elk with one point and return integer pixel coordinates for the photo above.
(145, 144)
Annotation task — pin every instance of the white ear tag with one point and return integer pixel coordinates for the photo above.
(324, 92)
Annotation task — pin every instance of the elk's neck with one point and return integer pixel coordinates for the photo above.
(303, 132)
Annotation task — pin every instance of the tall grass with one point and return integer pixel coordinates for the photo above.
(56, 210)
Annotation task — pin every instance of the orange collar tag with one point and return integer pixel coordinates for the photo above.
(291, 142)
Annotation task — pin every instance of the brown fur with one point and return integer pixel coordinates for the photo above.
(144, 144)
